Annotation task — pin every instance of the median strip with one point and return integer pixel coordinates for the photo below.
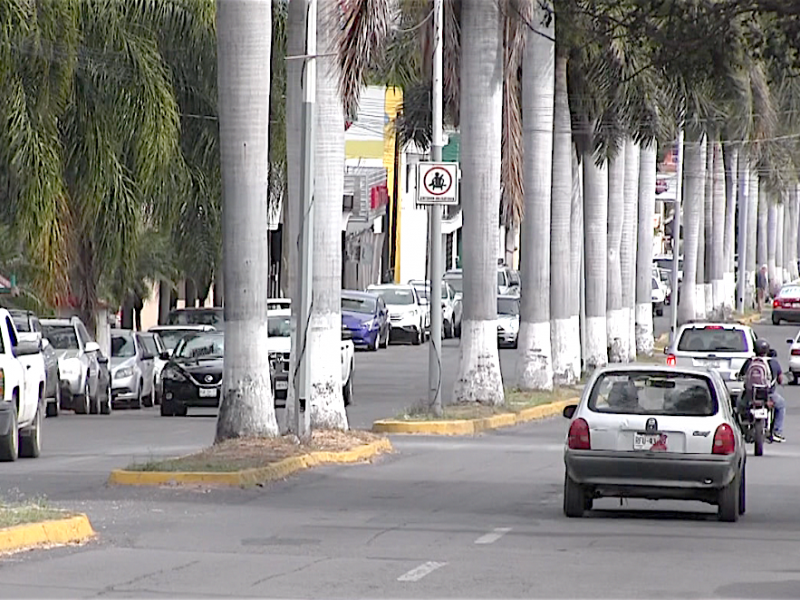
(252, 461)
(30, 525)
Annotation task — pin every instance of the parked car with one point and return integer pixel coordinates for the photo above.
(30, 330)
(22, 399)
(170, 335)
(132, 367)
(154, 345)
(794, 358)
(193, 374)
(508, 321)
(508, 282)
(365, 315)
(103, 384)
(406, 310)
(658, 296)
(77, 363)
(279, 303)
(451, 306)
(722, 347)
(786, 305)
(654, 432)
(214, 316)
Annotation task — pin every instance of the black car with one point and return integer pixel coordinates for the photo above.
(193, 375)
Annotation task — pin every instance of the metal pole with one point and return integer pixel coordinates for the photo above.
(676, 238)
(302, 398)
(435, 214)
(744, 200)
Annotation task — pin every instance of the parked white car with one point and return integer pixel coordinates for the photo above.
(654, 432)
(132, 370)
(794, 358)
(451, 306)
(659, 296)
(507, 321)
(408, 312)
(22, 393)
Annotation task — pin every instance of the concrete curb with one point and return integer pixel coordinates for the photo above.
(472, 426)
(69, 530)
(248, 477)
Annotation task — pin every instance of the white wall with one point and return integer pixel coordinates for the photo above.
(413, 224)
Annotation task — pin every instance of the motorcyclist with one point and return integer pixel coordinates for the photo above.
(763, 350)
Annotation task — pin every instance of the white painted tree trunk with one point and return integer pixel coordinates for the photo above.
(708, 233)
(596, 225)
(644, 249)
(575, 259)
(794, 212)
(535, 360)
(562, 333)
(694, 175)
(752, 265)
(762, 250)
(629, 241)
(731, 156)
(479, 378)
(718, 235)
(325, 327)
(615, 314)
(243, 48)
(772, 244)
(780, 232)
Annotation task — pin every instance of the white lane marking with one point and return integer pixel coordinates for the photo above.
(421, 571)
(491, 538)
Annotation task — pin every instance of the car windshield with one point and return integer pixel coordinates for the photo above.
(653, 393)
(195, 317)
(122, 345)
(655, 284)
(201, 345)
(396, 296)
(713, 339)
(62, 337)
(457, 283)
(501, 278)
(171, 337)
(280, 326)
(507, 306)
(359, 305)
(21, 323)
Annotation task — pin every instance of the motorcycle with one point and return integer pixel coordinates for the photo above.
(757, 419)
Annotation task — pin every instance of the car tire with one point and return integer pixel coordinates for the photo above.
(743, 491)
(30, 442)
(795, 378)
(417, 339)
(447, 329)
(458, 331)
(9, 444)
(660, 312)
(574, 498)
(347, 389)
(167, 410)
(94, 403)
(182, 411)
(758, 437)
(105, 407)
(81, 401)
(374, 347)
(385, 343)
(156, 396)
(150, 400)
(54, 408)
(137, 404)
(728, 502)
(776, 320)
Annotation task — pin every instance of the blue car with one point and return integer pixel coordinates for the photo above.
(365, 315)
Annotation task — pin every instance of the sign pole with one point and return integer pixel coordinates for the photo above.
(435, 216)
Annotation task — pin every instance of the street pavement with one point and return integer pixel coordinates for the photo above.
(476, 517)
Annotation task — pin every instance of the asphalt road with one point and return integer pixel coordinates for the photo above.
(441, 518)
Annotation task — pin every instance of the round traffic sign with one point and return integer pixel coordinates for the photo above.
(437, 181)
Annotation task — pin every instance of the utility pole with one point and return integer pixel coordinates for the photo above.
(302, 400)
(676, 239)
(435, 228)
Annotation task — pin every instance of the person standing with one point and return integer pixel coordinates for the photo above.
(761, 287)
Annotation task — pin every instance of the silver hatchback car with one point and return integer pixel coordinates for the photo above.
(654, 432)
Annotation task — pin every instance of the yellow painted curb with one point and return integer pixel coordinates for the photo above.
(58, 531)
(472, 426)
(246, 477)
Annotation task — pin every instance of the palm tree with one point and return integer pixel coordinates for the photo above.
(247, 406)
(628, 251)
(751, 264)
(534, 363)
(597, 227)
(694, 170)
(616, 317)
(717, 229)
(644, 248)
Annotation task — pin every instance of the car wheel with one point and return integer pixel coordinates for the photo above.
(776, 320)
(758, 437)
(150, 400)
(137, 404)
(728, 502)
(156, 396)
(54, 408)
(377, 344)
(447, 330)
(659, 312)
(743, 491)
(386, 338)
(167, 410)
(81, 401)
(182, 411)
(30, 442)
(9, 443)
(458, 330)
(94, 403)
(574, 498)
(105, 407)
(417, 339)
(795, 379)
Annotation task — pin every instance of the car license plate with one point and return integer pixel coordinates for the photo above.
(760, 413)
(281, 385)
(712, 364)
(654, 442)
(208, 392)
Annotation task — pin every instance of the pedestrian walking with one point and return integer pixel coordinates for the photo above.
(761, 287)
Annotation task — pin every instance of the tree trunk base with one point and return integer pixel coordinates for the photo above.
(479, 378)
(534, 361)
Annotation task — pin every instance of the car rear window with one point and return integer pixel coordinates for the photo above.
(713, 339)
(791, 291)
(653, 393)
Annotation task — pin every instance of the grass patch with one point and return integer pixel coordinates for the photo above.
(658, 358)
(516, 401)
(254, 453)
(20, 513)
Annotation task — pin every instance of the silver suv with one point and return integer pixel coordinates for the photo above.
(132, 365)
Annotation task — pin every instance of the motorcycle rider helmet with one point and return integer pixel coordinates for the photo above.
(762, 348)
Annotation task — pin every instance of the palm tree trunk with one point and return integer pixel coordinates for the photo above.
(479, 378)
(751, 264)
(780, 232)
(575, 259)
(325, 327)
(708, 232)
(700, 287)
(535, 362)
(615, 314)
(644, 249)
(694, 167)
(794, 203)
(718, 234)
(628, 253)
(772, 243)
(164, 301)
(219, 289)
(596, 224)
(243, 41)
(731, 156)
(762, 254)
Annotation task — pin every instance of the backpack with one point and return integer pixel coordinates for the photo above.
(758, 377)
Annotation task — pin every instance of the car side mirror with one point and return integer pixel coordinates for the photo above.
(26, 348)
(569, 411)
(790, 341)
(103, 360)
(164, 355)
(92, 347)
(45, 343)
(666, 349)
(423, 301)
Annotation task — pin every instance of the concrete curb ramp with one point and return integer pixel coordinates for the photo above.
(473, 426)
(44, 533)
(247, 477)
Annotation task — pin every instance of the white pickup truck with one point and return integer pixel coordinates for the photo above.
(22, 393)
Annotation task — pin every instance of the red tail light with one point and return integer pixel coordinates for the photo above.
(579, 438)
(2, 384)
(671, 360)
(713, 327)
(724, 440)
(776, 303)
(795, 351)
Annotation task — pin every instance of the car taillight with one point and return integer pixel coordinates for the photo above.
(579, 438)
(2, 384)
(795, 351)
(724, 440)
(776, 303)
(671, 360)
